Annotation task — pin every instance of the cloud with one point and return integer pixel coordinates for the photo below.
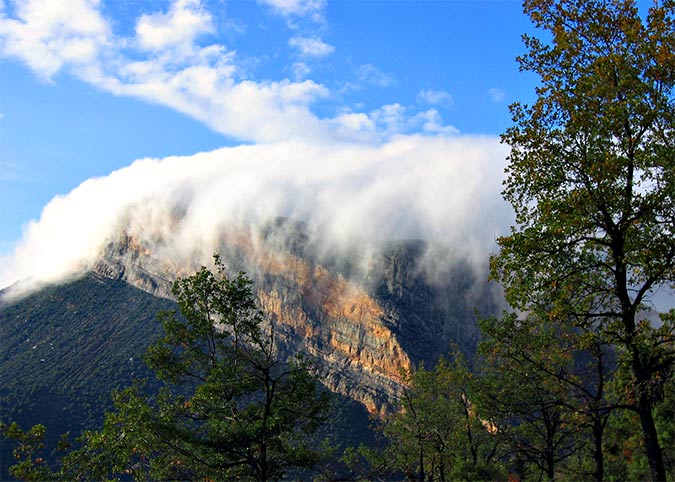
(432, 122)
(356, 178)
(390, 117)
(311, 46)
(435, 97)
(165, 64)
(48, 35)
(312, 9)
(444, 189)
(256, 111)
(497, 95)
(185, 20)
(355, 121)
(370, 74)
(169, 67)
(16, 172)
(394, 119)
(300, 70)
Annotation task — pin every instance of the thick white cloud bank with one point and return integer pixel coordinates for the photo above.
(441, 189)
(395, 172)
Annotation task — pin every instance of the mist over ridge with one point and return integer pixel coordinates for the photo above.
(444, 190)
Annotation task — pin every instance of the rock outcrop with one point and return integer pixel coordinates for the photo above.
(362, 326)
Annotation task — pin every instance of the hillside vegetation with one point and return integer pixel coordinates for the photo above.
(63, 351)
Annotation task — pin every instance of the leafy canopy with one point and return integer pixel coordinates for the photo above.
(591, 178)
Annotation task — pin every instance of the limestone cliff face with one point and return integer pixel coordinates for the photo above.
(362, 330)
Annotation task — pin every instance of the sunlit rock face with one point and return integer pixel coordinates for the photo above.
(364, 317)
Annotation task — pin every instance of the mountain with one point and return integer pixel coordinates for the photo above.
(363, 318)
(66, 347)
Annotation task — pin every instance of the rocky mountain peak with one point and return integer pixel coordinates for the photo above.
(363, 321)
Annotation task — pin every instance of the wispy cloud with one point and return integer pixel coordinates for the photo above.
(168, 67)
(435, 97)
(48, 35)
(395, 119)
(18, 173)
(300, 70)
(370, 74)
(311, 46)
(496, 94)
(312, 9)
(168, 62)
(393, 172)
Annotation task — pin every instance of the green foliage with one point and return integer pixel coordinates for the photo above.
(625, 450)
(592, 182)
(545, 387)
(229, 407)
(28, 454)
(525, 405)
(436, 433)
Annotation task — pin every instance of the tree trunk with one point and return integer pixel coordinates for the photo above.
(598, 456)
(421, 457)
(652, 446)
(550, 468)
(641, 377)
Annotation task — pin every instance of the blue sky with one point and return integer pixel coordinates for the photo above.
(58, 129)
(89, 86)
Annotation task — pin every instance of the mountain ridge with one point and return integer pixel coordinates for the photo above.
(364, 318)
(363, 325)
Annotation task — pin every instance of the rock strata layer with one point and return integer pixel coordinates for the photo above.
(363, 329)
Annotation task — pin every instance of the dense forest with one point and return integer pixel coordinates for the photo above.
(224, 406)
(574, 382)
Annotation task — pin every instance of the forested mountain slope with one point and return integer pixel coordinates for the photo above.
(65, 347)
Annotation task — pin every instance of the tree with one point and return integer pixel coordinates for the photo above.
(591, 178)
(229, 407)
(30, 463)
(435, 433)
(547, 388)
(525, 405)
(623, 451)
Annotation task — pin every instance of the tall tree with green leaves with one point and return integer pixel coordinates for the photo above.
(592, 182)
(623, 448)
